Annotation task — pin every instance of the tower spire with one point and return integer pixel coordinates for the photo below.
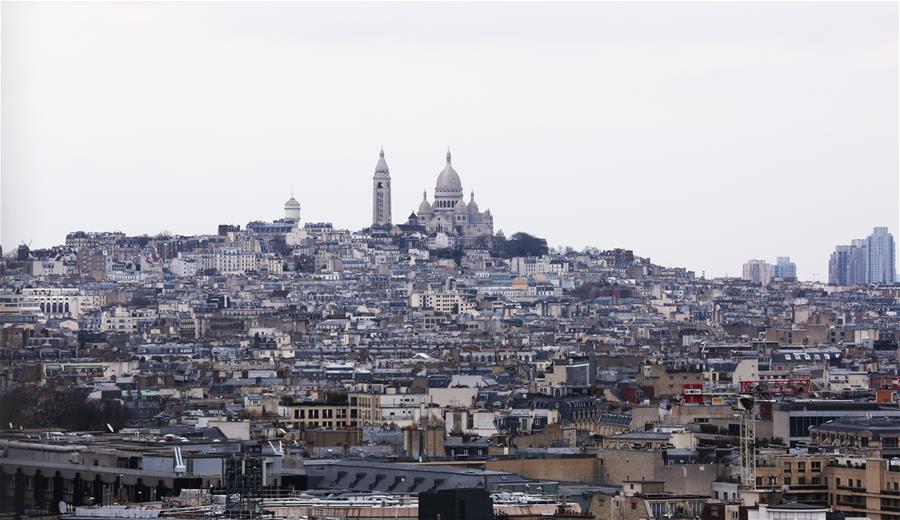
(448, 156)
(381, 192)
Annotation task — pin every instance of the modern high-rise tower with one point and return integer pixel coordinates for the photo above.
(381, 193)
(869, 260)
(881, 267)
(757, 271)
(785, 269)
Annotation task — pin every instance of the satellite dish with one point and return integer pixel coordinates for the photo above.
(63, 507)
(110, 428)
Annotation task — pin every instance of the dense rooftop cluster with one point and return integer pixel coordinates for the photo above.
(365, 370)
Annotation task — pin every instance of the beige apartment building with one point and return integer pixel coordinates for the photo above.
(857, 486)
(354, 409)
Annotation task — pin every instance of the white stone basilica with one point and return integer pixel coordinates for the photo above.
(448, 214)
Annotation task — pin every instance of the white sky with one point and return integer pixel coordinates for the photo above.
(698, 134)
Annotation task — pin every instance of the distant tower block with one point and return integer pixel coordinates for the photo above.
(381, 193)
(292, 210)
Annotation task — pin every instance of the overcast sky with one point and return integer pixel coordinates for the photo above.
(698, 134)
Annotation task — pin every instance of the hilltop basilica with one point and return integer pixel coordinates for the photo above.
(448, 214)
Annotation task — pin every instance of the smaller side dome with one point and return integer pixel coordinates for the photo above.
(424, 206)
(473, 206)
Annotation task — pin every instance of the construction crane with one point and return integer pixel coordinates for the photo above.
(746, 404)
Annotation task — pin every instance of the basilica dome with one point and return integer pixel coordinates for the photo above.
(473, 206)
(448, 182)
(291, 204)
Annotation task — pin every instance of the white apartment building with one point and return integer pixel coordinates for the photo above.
(448, 302)
(531, 265)
(57, 267)
(226, 260)
(58, 302)
(184, 266)
(124, 320)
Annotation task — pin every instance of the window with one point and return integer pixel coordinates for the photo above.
(787, 467)
(816, 466)
(801, 467)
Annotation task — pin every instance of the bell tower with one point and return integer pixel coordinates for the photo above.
(381, 193)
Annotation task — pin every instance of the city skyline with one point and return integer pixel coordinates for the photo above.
(203, 129)
(297, 205)
(443, 260)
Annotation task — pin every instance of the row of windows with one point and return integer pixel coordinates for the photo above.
(327, 413)
(327, 424)
(815, 466)
(54, 308)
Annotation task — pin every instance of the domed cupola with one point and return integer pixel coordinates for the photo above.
(448, 189)
(292, 210)
(424, 206)
(473, 206)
